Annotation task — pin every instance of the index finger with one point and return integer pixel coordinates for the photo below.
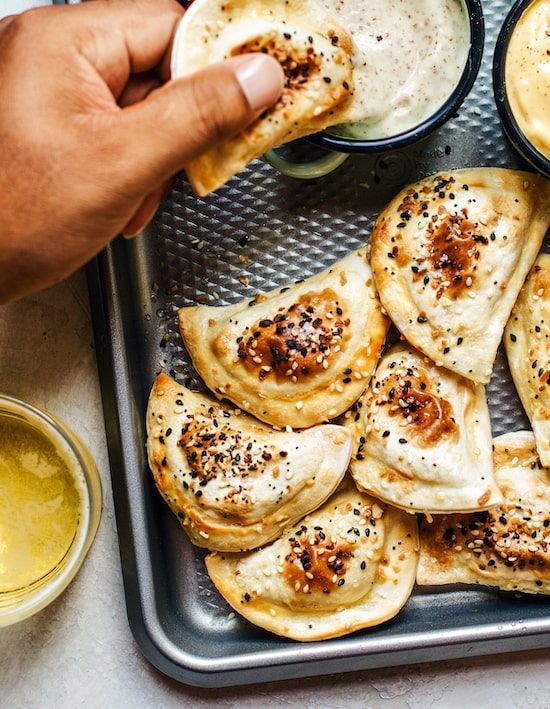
(120, 37)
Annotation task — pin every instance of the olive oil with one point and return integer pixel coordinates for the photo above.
(40, 504)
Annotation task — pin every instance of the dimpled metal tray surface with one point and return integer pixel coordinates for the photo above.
(260, 231)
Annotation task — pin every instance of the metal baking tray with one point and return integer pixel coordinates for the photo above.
(272, 230)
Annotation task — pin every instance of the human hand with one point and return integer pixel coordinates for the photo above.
(92, 132)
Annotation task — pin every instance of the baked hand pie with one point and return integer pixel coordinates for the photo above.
(233, 482)
(508, 546)
(527, 341)
(313, 50)
(296, 356)
(347, 566)
(423, 437)
(449, 256)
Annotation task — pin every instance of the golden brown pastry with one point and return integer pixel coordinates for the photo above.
(508, 546)
(314, 51)
(423, 437)
(527, 341)
(296, 356)
(349, 565)
(449, 256)
(233, 482)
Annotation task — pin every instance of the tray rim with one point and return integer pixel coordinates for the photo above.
(355, 652)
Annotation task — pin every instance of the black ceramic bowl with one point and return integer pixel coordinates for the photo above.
(441, 116)
(510, 125)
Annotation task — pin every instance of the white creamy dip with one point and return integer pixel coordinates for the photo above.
(409, 56)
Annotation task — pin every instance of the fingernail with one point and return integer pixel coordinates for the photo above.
(139, 222)
(261, 79)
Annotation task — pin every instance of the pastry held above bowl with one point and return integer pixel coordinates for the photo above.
(313, 50)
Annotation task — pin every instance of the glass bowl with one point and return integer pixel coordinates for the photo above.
(18, 604)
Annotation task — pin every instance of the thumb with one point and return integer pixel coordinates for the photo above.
(187, 116)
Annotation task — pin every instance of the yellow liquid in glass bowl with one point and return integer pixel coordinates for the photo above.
(40, 505)
(50, 506)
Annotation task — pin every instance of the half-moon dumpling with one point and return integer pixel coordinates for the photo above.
(423, 437)
(449, 256)
(296, 356)
(314, 51)
(527, 340)
(507, 547)
(233, 482)
(349, 565)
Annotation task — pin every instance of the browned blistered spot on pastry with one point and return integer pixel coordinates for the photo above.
(484, 499)
(298, 342)
(454, 251)
(394, 476)
(305, 567)
(438, 538)
(158, 459)
(512, 526)
(506, 536)
(429, 418)
(215, 449)
(300, 64)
